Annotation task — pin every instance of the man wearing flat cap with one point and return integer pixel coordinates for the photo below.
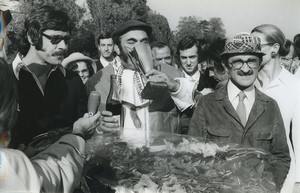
(239, 113)
(163, 114)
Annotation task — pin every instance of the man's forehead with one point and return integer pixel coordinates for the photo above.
(242, 56)
(106, 40)
(56, 32)
(193, 50)
(135, 34)
(163, 50)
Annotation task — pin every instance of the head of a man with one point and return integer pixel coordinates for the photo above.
(287, 60)
(189, 53)
(106, 45)
(47, 32)
(130, 34)
(242, 57)
(162, 54)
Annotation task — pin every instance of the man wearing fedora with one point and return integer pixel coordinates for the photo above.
(163, 114)
(239, 113)
(50, 97)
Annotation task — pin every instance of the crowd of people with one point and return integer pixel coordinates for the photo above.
(243, 90)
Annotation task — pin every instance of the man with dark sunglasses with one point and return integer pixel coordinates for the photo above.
(50, 97)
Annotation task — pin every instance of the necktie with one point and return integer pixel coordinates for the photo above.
(241, 108)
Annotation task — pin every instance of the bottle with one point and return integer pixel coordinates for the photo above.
(114, 104)
(93, 102)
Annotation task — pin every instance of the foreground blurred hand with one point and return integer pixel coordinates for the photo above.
(157, 76)
(85, 126)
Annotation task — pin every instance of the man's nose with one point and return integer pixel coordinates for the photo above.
(245, 68)
(188, 61)
(62, 45)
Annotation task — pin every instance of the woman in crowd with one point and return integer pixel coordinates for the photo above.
(83, 65)
(281, 85)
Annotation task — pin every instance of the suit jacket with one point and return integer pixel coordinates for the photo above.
(164, 116)
(216, 120)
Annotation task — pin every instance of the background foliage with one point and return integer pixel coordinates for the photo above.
(106, 15)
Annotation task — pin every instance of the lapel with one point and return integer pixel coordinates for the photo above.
(222, 95)
(258, 108)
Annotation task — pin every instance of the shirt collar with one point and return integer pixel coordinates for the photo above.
(18, 63)
(194, 77)
(104, 62)
(233, 91)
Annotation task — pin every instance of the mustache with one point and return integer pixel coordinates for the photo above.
(242, 73)
(59, 53)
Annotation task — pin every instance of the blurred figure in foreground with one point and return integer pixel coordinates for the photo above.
(58, 168)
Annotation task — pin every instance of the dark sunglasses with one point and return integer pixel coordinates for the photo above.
(57, 39)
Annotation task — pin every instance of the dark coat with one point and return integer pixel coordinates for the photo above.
(216, 120)
(63, 102)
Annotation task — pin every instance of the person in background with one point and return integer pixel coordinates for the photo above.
(51, 97)
(106, 47)
(241, 114)
(189, 54)
(281, 85)
(83, 65)
(215, 75)
(288, 61)
(162, 54)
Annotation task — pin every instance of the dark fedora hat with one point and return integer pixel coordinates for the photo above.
(130, 25)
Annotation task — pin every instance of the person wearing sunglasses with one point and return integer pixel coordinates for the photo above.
(51, 97)
(278, 83)
(239, 113)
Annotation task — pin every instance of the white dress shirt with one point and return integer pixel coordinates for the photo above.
(285, 89)
(233, 95)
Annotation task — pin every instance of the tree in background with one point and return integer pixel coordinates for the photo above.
(201, 29)
(107, 14)
(161, 28)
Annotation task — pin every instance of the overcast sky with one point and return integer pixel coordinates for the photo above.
(237, 15)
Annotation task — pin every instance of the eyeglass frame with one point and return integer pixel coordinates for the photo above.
(244, 62)
(267, 44)
(55, 38)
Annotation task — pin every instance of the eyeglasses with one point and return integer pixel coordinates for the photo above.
(286, 59)
(57, 39)
(238, 64)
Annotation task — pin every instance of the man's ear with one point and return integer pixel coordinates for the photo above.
(29, 39)
(226, 67)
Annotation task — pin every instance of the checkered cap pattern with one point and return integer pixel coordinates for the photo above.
(243, 43)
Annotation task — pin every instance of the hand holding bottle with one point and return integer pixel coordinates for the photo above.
(108, 123)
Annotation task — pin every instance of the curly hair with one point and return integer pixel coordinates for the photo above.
(42, 19)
